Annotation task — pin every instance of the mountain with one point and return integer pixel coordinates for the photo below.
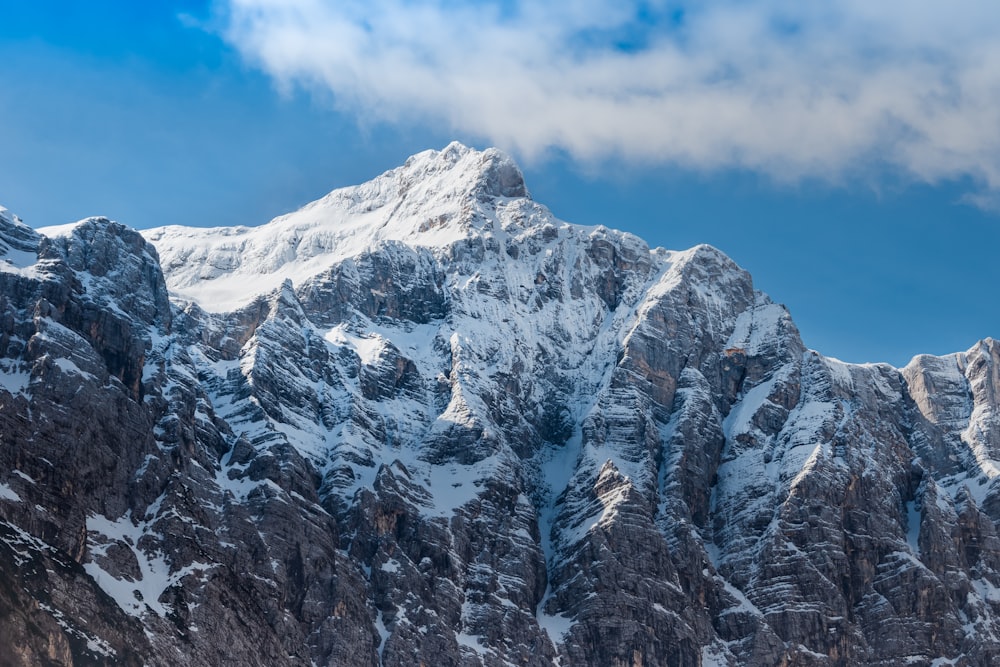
(423, 421)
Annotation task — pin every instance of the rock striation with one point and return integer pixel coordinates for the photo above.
(423, 421)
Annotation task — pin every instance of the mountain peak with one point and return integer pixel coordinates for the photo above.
(433, 200)
(459, 169)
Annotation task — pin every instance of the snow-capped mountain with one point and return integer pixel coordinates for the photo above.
(422, 421)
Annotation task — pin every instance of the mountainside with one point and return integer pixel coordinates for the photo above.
(421, 421)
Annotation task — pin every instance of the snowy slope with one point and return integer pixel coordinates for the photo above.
(425, 203)
(18, 244)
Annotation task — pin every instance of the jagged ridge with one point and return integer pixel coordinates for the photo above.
(424, 420)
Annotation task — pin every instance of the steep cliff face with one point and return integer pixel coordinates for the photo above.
(423, 421)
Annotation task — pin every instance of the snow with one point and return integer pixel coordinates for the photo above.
(803, 466)
(452, 485)
(417, 342)
(758, 328)
(18, 261)
(60, 231)
(556, 466)
(367, 346)
(7, 493)
(557, 626)
(743, 604)
(841, 373)
(806, 420)
(420, 203)
(470, 641)
(713, 553)
(67, 366)
(739, 418)
(987, 591)
(156, 574)
(962, 385)
(913, 527)
(14, 381)
(713, 656)
(23, 476)
(98, 645)
(383, 633)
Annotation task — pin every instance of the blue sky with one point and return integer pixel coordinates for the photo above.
(847, 155)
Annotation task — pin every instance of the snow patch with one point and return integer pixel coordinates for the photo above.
(913, 527)
(19, 262)
(455, 485)
(987, 590)
(14, 381)
(470, 641)
(383, 633)
(156, 575)
(713, 656)
(23, 476)
(61, 231)
(758, 328)
(367, 346)
(739, 418)
(840, 372)
(557, 627)
(7, 493)
(67, 366)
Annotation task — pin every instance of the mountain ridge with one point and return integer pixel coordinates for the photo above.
(424, 202)
(489, 438)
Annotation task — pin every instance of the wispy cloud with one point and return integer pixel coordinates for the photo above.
(790, 88)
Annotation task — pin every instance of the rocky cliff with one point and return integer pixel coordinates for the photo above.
(422, 421)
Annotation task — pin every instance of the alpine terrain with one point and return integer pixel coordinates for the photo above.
(421, 421)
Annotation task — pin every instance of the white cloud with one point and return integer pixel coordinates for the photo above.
(792, 88)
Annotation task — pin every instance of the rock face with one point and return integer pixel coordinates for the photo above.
(422, 421)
